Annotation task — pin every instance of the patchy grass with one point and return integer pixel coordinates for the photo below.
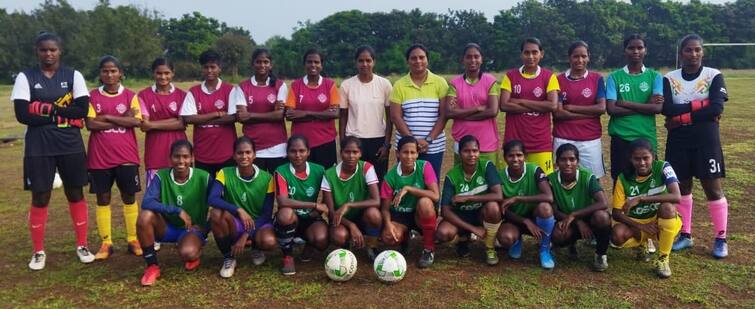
(698, 281)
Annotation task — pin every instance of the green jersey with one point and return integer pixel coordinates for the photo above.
(632, 186)
(352, 189)
(304, 190)
(247, 194)
(484, 176)
(637, 88)
(577, 197)
(191, 196)
(395, 182)
(526, 185)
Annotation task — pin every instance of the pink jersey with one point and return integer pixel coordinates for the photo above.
(578, 92)
(112, 147)
(301, 97)
(213, 143)
(262, 99)
(533, 128)
(157, 142)
(486, 131)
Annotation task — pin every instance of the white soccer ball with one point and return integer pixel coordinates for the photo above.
(57, 182)
(390, 266)
(340, 265)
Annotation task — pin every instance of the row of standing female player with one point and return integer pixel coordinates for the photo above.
(162, 105)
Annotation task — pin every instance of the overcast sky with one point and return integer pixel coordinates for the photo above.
(266, 18)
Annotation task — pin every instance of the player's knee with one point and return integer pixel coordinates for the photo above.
(620, 234)
(600, 219)
(145, 219)
(268, 242)
(74, 194)
(507, 238)
(128, 198)
(339, 236)
(444, 233)
(189, 253)
(667, 211)
(558, 237)
(544, 210)
(103, 199)
(285, 216)
(40, 199)
(372, 217)
(491, 212)
(425, 207)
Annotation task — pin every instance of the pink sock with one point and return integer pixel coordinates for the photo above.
(685, 211)
(80, 218)
(719, 214)
(37, 222)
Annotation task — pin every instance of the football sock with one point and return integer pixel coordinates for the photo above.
(428, 232)
(491, 230)
(546, 224)
(37, 223)
(719, 214)
(224, 244)
(149, 254)
(130, 213)
(102, 214)
(602, 237)
(285, 234)
(80, 217)
(685, 211)
(667, 230)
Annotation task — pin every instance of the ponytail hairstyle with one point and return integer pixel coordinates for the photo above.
(259, 52)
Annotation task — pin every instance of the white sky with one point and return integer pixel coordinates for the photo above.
(266, 18)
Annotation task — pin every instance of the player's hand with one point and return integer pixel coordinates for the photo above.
(246, 219)
(452, 103)
(423, 145)
(657, 99)
(220, 114)
(399, 196)
(534, 229)
(631, 203)
(131, 112)
(357, 239)
(480, 232)
(670, 124)
(508, 202)
(650, 228)
(382, 153)
(339, 214)
(389, 232)
(146, 126)
(238, 247)
(459, 199)
(40, 108)
(321, 208)
(584, 230)
(563, 225)
(293, 114)
(186, 218)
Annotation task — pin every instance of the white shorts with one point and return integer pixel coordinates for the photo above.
(590, 154)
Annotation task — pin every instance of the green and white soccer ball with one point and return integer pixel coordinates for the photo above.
(390, 266)
(340, 265)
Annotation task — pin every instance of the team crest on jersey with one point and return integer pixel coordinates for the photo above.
(219, 104)
(37, 86)
(537, 91)
(479, 180)
(64, 85)
(586, 92)
(121, 108)
(310, 191)
(173, 106)
(271, 98)
(322, 98)
(644, 86)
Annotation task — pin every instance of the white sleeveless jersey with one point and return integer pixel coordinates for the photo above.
(683, 91)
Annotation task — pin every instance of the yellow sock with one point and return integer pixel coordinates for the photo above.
(103, 223)
(491, 230)
(667, 230)
(130, 212)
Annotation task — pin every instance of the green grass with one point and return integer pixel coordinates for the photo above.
(698, 280)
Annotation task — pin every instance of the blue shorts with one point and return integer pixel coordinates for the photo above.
(259, 224)
(175, 234)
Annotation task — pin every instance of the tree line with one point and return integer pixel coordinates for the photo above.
(137, 36)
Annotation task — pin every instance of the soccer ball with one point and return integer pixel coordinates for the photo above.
(390, 266)
(340, 265)
(57, 182)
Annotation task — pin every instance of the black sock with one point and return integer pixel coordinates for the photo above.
(285, 234)
(601, 238)
(224, 244)
(149, 254)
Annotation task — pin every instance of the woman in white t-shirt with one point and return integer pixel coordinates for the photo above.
(364, 110)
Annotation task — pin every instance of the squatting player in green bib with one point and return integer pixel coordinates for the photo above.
(174, 209)
(579, 205)
(242, 201)
(526, 204)
(407, 201)
(350, 189)
(299, 213)
(469, 204)
(644, 200)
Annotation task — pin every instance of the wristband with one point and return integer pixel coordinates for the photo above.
(683, 119)
(699, 104)
(428, 139)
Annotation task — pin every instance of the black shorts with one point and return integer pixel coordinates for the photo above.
(213, 169)
(269, 164)
(39, 172)
(705, 162)
(126, 177)
(407, 219)
(370, 147)
(324, 154)
(619, 156)
(303, 225)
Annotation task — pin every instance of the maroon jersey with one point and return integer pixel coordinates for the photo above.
(262, 99)
(112, 147)
(579, 92)
(532, 128)
(157, 142)
(213, 143)
(325, 96)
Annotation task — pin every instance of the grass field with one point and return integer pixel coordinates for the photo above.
(698, 280)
